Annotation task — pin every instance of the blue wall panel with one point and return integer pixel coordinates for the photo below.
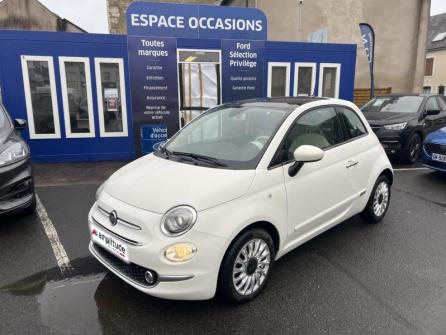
(14, 44)
(291, 52)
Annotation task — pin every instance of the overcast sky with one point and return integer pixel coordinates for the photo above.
(91, 15)
(438, 7)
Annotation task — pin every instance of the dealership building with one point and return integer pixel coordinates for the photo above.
(104, 97)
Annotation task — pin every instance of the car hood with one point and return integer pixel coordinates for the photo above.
(389, 117)
(156, 184)
(438, 136)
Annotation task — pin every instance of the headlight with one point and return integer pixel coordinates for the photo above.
(397, 126)
(13, 153)
(99, 190)
(178, 220)
(180, 252)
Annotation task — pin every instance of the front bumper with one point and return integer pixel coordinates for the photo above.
(394, 142)
(195, 279)
(432, 164)
(16, 187)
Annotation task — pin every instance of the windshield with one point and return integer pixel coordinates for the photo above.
(404, 104)
(228, 136)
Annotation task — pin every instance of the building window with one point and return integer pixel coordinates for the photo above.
(426, 89)
(40, 96)
(441, 89)
(278, 79)
(329, 75)
(304, 78)
(76, 94)
(112, 106)
(429, 68)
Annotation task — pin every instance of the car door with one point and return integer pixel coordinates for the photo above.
(360, 147)
(431, 122)
(442, 104)
(321, 192)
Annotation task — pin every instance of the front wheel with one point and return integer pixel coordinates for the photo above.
(246, 266)
(379, 201)
(413, 151)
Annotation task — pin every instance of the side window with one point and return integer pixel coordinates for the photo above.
(318, 127)
(442, 101)
(353, 123)
(431, 104)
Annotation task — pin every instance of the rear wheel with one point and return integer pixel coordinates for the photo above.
(379, 201)
(246, 266)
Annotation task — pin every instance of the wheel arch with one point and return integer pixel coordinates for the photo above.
(389, 174)
(269, 227)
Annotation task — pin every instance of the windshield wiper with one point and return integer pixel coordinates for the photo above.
(198, 157)
(164, 151)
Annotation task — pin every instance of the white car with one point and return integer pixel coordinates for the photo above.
(233, 191)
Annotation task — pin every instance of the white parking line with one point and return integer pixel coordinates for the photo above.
(59, 251)
(411, 169)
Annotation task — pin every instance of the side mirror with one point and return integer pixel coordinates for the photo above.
(305, 154)
(20, 124)
(433, 111)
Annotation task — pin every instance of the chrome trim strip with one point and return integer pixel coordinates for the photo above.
(174, 278)
(126, 240)
(121, 221)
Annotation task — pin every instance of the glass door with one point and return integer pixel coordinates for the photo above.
(199, 82)
(40, 95)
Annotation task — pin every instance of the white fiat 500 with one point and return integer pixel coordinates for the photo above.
(233, 191)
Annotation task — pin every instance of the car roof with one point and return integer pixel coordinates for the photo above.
(289, 103)
(396, 95)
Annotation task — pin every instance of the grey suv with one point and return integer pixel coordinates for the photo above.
(16, 176)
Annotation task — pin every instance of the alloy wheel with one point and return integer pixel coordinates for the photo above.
(381, 199)
(251, 267)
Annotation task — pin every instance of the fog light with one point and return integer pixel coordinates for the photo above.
(180, 252)
(149, 277)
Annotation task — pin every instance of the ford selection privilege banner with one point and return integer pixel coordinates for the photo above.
(154, 89)
(242, 69)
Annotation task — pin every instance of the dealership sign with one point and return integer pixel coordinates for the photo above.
(153, 33)
(195, 21)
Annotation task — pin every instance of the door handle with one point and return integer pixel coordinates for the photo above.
(351, 163)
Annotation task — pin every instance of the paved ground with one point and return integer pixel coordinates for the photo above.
(354, 279)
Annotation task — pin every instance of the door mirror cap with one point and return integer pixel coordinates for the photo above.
(308, 153)
(433, 111)
(20, 124)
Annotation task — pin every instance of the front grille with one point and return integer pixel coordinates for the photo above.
(131, 271)
(376, 128)
(18, 191)
(435, 148)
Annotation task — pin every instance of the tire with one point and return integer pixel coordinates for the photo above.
(379, 201)
(413, 151)
(236, 266)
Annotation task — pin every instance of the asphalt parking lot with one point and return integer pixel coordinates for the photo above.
(354, 279)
